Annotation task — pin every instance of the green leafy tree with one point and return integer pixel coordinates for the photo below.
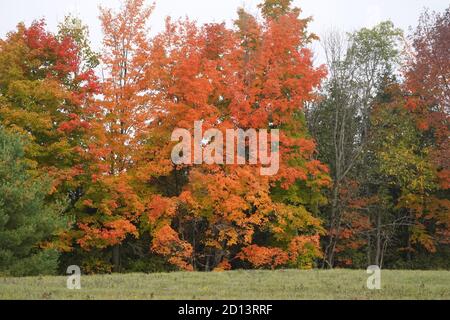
(27, 223)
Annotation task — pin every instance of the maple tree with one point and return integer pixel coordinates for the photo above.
(427, 85)
(427, 72)
(229, 79)
(44, 91)
(111, 203)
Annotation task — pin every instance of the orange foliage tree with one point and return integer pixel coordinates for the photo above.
(428, 99)
(113, 201)
(257, 75)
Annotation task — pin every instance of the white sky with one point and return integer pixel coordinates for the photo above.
(346, 15)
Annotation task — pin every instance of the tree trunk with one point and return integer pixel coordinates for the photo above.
(207, 263)
(329, 250)
(378, 251)
(116, 258)
(408, 253)
(409, 244)
(383, 251)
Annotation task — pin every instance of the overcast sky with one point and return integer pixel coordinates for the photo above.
(346, 15)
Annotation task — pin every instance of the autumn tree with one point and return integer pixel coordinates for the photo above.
(258, 75)
(408, 177)
(427, 86)
(111, 203)
(427, 80)
(43, 94)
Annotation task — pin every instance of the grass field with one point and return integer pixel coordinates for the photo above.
(253, 285)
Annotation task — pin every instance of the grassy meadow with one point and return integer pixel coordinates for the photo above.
(235, 285)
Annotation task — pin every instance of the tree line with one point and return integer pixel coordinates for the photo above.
(85, 145)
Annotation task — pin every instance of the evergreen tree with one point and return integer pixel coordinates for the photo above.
(26, 222)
